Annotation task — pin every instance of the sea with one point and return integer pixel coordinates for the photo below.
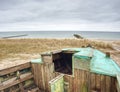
(61, 34)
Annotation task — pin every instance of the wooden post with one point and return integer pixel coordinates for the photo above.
(46, 58)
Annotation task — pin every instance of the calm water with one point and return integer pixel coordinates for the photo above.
(63, 34)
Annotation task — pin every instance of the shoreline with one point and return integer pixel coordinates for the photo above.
(63, 38)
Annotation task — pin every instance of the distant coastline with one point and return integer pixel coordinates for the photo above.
(63, 34)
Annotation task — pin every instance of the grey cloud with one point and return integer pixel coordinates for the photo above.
(96, 11)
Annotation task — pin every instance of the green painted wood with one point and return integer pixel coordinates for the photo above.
(37, 61)
(57, 84)
(82, 63)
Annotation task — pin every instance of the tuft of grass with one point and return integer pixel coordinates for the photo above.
(11, 47)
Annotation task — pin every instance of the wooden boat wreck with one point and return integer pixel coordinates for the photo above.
(66, 70)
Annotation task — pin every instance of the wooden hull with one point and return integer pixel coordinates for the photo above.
(41, 74)
(81, 81)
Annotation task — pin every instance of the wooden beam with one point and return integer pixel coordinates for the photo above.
(14, 81)
(56, 78)
(15, 68)
(70, 51)
(56, 51)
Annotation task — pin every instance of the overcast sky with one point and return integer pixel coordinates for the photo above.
(93, 15)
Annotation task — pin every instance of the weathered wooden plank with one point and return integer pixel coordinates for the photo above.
(113, 84)
(35, 73)
(51, 74)
(103, 84)
(80, 80)
(52, 70)
(87, 80)
(74, 83)
(13, 81)
(69, 51)
(15, 68)
(75, 80)
(85, 84)
(118, 83)
(82, 64)
(38, 72)
(56, 51)
(57, 84)
(118, 88)
(39, 75)
(98, 82)
(79, 83)
(108, 83)
(66, 83)
(92, 81)
(71, 83)
(42, 77)
(47, 77)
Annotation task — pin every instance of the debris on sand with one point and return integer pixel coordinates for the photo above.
(78, 36)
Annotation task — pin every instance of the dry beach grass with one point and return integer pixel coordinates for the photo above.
(11, 48)
(18, 51)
